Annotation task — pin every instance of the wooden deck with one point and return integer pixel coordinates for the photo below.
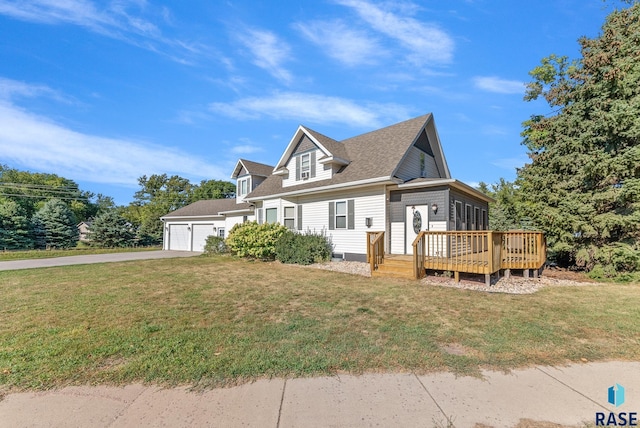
(478, 252)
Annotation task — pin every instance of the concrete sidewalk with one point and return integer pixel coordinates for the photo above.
(93, 258)
(569, 396)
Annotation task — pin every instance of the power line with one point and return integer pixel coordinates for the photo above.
(18, 195)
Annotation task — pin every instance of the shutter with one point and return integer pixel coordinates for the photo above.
(299, 217)
(313, 164)
(297, 168)
(332, 216)
(350, 214)
(260, 215)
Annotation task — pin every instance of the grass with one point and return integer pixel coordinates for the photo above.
(212, 321)
(45, 254)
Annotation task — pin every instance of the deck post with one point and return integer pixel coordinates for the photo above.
(525, 273)
(507, 273)
(487, 279)
(535, 273)
(456, 276)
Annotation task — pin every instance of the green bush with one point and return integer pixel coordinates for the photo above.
(215, 245)
(251, 239)
(303, 249)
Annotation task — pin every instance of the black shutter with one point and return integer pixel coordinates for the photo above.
(299, 217)
(332, 216)
(313, 164)
(350, 214)
(297, 168)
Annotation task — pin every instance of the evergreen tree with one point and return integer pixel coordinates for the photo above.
(582, 186)
(16, 231)
(111, 230)
(55, 225)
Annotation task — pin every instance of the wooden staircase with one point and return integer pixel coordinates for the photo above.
(395, 267)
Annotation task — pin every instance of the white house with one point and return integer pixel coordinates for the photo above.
(394, 179)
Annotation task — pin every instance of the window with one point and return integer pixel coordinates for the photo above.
(477, 223)
(271, 215)
(243, 186)
(459, 214)
(221, 232)
(305, 166)
(468, 219)
(485, 220)
(342, 214)
(289, 217)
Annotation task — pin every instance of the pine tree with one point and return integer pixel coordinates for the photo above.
(582, 186)
(55, 226)
(111, 230)
(16, 231)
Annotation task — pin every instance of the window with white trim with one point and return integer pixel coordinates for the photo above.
(289, 217)
(271, 215)
(459, 214)
(341, 215)
(221, 232)
(305, 166)
(244, 186)
(468, 218)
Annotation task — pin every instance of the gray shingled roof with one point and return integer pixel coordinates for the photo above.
(256, 168)
(209, 207)
(372, 155)
(336, 148)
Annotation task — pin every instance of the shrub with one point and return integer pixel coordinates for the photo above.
(303, 249)
(111, 230)
(251, 239)
(215, 245)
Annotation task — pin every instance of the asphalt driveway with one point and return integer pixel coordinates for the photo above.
(93, 258)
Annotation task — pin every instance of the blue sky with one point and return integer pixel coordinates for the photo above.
(103, 92)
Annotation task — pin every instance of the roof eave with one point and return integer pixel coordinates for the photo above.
(329, 188)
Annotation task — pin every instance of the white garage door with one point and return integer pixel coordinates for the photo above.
(200, 233)
(178, 237)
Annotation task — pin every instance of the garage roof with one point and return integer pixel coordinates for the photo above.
(208, 207)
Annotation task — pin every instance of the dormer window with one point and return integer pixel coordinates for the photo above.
(305, 166)
(244, 186)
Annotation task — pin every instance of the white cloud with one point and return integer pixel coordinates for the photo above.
(427, 43)
(498, 85)
(246, 149)
(114, 20)
(39, 143)
(268, 52)
(312, 108)
(11, 89)
(342, 42)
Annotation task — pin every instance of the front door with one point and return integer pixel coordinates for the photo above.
(416, 220)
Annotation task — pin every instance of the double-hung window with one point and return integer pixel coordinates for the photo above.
(305, 166)
(289, 217)
(341, 215)
(243, 186)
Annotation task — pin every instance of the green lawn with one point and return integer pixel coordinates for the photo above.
(212, 321)
(44, 254)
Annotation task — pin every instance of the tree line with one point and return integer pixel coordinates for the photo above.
(40, 210)
(582, 183)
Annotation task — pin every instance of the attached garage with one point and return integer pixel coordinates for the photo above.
(179, 237)
(200, 234)
(187, 228)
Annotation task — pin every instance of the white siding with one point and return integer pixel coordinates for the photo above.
(367, 203)
(410, 166)
(231, 221)
(322, 173)
(397, 238)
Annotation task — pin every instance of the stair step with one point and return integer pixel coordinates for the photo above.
(387, 274)
(397, 269)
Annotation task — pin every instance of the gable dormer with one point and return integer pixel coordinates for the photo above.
(248, 176)
(309, 157)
